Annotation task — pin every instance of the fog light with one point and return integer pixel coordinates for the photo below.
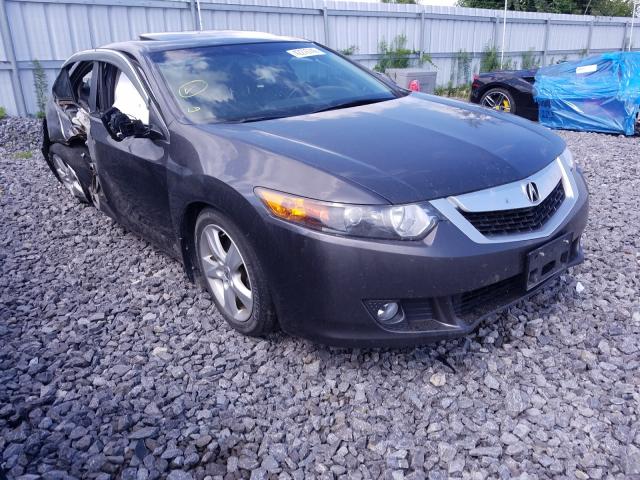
(387, 312)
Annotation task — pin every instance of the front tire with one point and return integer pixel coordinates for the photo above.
(232, 274)
(499, 99)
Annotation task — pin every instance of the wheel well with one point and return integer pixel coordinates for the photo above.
(188, 238)
(491, 86)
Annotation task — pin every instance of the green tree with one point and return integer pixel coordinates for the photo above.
(620, 8)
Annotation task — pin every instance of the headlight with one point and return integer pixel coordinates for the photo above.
(396, 222)
(567, 158)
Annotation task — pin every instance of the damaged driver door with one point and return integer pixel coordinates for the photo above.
(130, 151)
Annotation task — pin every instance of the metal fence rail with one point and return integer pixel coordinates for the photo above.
(51, 30)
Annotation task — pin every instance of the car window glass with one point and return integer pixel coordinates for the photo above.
(246, 81)
(128, 99)
(62, 89)
(83, 89)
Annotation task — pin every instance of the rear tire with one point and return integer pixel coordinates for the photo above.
(231, 273)
(498, 99)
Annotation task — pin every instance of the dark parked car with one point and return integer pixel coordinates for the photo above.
(508, 91)
(304, 191)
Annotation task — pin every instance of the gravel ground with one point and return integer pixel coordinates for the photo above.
(113, 365)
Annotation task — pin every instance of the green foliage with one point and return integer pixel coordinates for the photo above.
(394, 54)
(617, 8)
(461, 68)
(41, 87)
(426, 58)
(397, 55)
(490, 60)
(3, 113)
(461, 91)
(529, 60)
(24, 155)
(610, 8)
(348, 51)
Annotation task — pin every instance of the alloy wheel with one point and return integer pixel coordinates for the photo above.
(226, 272)
(497, 101)
(68, 178)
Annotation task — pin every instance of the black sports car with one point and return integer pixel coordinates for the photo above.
(507, 90)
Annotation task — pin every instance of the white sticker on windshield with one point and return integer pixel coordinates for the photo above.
(587, 69)
(305, 52)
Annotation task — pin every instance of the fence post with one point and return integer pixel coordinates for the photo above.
(496, 28)
(7, 39)
(589, 37)
(325, 19)
(546, 41)
(194, 15)
(624, 36)
(421, 33)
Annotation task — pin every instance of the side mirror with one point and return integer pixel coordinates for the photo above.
(120, 126)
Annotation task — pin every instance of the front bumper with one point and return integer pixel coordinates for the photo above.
(323, 285)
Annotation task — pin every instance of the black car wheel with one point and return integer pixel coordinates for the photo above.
(499, 99)
(232, 274)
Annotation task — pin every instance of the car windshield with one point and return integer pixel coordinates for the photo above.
(252, 82)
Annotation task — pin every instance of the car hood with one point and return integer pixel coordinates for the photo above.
(413, 148)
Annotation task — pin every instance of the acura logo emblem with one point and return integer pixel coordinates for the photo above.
(532, 192)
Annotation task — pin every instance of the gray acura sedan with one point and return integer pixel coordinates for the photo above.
(306, 192)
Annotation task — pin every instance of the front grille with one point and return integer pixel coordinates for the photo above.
(518, 220)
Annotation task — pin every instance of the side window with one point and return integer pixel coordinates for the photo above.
(62, 89)
(128, 100)
(81, 83)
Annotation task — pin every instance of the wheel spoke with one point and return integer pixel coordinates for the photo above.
(211, 267)
(230, 300)
(213, 242)
(233, 259)
(242, 292)
(490, 102)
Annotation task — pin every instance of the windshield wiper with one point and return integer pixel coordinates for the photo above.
(257, 118)
(353, 103)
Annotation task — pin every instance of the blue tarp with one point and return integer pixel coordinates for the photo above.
(600, 93)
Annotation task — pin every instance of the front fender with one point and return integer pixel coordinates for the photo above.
(197, 192)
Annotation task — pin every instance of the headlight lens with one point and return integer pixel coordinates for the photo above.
(396, 222)
(567, 158)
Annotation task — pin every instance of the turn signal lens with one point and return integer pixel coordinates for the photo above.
(399, 222)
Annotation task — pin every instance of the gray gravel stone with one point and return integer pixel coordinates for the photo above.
(110, 360)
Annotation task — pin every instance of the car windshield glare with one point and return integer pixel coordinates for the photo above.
(252, 82)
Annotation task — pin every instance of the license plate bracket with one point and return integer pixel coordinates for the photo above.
(545, 261)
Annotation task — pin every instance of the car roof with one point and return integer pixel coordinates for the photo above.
(215, 36)
(151, 42)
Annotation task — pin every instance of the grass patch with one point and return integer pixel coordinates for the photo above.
(461, 92)
(24, 155)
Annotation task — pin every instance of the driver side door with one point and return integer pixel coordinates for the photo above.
(131, 170)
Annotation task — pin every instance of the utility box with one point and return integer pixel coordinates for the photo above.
(404, 76)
